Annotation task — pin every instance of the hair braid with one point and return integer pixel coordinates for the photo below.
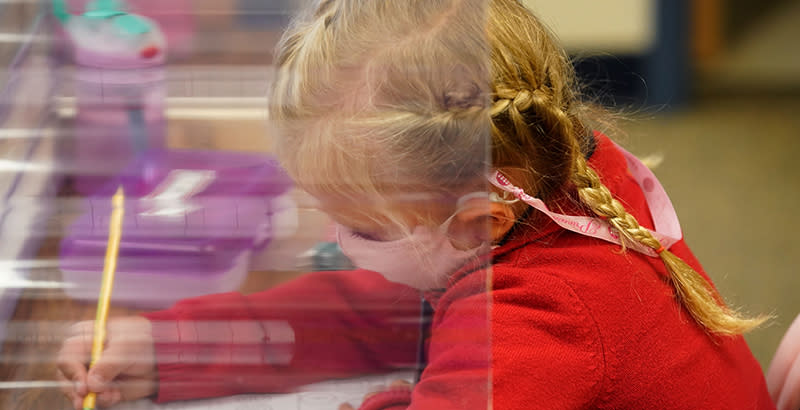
(300, 39)
(298, 53)
(698, 296)
(513, 103)
(692, 290)
(597, 196)
(528, 125)
(527, 109)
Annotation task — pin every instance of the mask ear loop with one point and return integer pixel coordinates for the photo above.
(494, 197)
(461, 204)
(491, 196)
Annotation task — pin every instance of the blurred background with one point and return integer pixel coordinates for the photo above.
(710, 86)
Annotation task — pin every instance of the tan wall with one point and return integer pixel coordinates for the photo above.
(616, 26)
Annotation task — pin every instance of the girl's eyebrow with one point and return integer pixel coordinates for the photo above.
(352, 223)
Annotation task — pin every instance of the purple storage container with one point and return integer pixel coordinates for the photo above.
(192, 220)
(120, 91)
(119, 115)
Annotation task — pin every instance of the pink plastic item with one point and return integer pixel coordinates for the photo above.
(120, 114)
(174, 17)
(783, 376)
(667, 227)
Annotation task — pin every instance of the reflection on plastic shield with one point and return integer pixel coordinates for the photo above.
(231, 290)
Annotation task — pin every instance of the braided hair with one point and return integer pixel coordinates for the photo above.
(536, 110)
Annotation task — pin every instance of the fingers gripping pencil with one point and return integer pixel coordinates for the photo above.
(109, 268)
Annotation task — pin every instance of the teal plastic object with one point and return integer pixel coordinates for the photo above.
(102, 14)
(107, 5)
(132, 24)
(107, 36)
(107, 9)
(104, 10)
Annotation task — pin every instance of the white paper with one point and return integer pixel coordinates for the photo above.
(321, 396)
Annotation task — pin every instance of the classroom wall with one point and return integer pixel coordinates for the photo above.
(615, 26)
(741, 15)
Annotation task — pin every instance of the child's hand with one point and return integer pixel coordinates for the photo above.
(125, 371)
(397, 395)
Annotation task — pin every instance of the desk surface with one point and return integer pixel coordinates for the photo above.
(37, 326)
(41, 315)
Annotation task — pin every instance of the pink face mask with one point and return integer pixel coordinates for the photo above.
(423, 260)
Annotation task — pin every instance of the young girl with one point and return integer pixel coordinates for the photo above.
(564, 284)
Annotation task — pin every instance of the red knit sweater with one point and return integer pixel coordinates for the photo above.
(569, 323)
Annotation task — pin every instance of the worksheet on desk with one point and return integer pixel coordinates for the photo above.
(320, 396)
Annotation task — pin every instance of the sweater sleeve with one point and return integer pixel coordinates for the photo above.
(320, 326)
(539, 350)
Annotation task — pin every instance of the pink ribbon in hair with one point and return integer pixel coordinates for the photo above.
(667, 227)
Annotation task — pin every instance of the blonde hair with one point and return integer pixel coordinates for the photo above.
(379, 97)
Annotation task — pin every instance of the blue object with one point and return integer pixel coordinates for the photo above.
(264, 15)
(658, 79)
(327, 256)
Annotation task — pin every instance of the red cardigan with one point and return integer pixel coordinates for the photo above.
(569, 323)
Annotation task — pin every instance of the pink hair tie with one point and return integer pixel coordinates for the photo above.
(661, 249)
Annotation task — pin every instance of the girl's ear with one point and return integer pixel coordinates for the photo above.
(502, 220)
(482, 221)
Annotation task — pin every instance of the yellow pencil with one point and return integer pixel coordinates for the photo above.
(109, 268)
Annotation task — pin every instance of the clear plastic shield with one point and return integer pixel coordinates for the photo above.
(245, 204)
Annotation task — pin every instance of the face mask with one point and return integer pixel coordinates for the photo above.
(423, 260)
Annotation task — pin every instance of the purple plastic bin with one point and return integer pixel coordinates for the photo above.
(120, 114)
(192, 220)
